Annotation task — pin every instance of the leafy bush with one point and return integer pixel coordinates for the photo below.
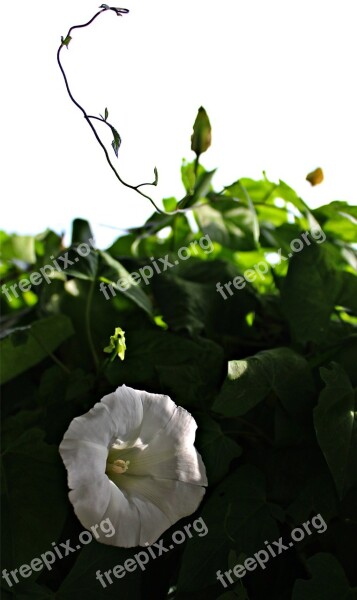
(268, 370)
(241, 304)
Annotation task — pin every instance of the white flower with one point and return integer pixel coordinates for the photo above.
(131, 459)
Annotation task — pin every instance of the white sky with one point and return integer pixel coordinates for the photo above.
(277, 78)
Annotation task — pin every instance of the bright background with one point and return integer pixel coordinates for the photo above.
(276, 77)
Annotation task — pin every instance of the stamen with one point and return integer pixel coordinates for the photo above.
(118, 466)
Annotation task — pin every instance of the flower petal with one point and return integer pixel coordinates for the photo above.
(97, 426)
(186, 466)
(171, 453)
(153, 522)
(125, 407)
(91, 501)
(157, 412)
(161, 503)
(143, 414)
(104, 500)
(84, 461)
(125, 519)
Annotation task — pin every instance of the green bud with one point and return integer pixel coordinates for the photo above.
(315, 177)
(201, 137)
(117, 345)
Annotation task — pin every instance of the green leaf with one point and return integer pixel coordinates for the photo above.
(81, 582)
(24, 347)
(309, 293)
(112, 272)
(81, 231)
(328, 581)
(281, 238)
(83, 267)
(82, 579)
(188, 299)
(346, 356)
(335, 420)
(153, 225)
(202, 185)
(59, 387)
(106, 114)
(271, 215)
(17, 424)
(65, 41)
(188, 176)
(47, 244)
(193, 381)
(116, 141)
(34, 495)
(216, 449)
(249, 381)
(347, 295)
(30, 590)
(237, 516)
(339, 220)
(170, 204)
(201, 137)
(19, 247)
(318, 496)
(265, 192)
(235, 228)
(255, 221)
(62, 396)
(260, 191)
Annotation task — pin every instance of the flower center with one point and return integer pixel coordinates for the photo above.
(118, 467)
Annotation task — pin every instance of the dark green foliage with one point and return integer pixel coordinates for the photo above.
(269, 373)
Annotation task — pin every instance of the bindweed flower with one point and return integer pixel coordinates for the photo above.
(131, 459)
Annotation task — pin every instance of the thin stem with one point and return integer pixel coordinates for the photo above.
(100, 119)
(196, 165)
(88, 118)
(88, 324)
(50, 354)
(136, 188)
(227, 515)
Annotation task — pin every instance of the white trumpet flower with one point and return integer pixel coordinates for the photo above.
(132, 459)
